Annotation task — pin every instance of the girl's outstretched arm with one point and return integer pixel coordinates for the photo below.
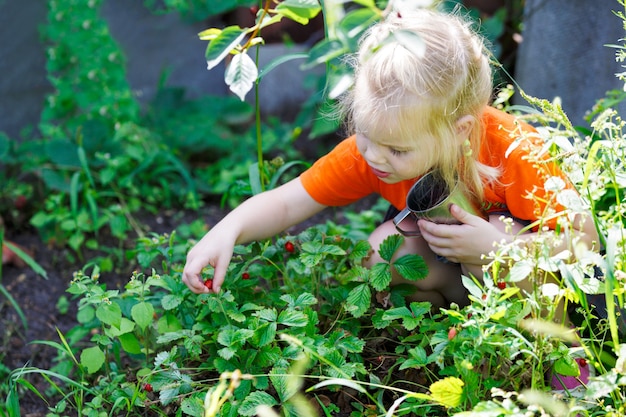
(260, 217)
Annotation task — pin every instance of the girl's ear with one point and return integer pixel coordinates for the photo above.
(464, 126)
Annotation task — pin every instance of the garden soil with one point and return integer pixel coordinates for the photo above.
(38, 297)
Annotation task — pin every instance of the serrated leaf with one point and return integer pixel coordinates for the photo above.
(359, 300)
(143, 314)
(360, 250)
(352, 344)
(266, 334)
(168, 394)
(303, 300)
(280, 383)
(417, 358)
(92, 358)
(389, 246)
(226, 353)
(448, 391)
(411, 267)
(241, 75)
(192, 406)
(292, 318)
(268, 314)
(172, 336)
(171, 301)
(231, 336)
(222, 44)
(380, 276)
(249, 405)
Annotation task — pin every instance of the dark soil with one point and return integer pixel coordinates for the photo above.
(38, 297)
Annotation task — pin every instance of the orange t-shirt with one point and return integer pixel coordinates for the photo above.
(342, 176)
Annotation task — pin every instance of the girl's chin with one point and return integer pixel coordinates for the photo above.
(390, 180)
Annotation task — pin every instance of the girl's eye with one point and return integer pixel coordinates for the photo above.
(396, 151)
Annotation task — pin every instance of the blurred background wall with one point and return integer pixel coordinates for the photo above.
(562, 54)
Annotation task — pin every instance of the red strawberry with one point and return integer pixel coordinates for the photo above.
(147, 388)
(20, 202)
(501, 285)
(245, 275)
(289, 247)
(209, 283)
(451, 333)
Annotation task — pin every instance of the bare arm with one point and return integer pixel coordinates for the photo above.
(259, 217)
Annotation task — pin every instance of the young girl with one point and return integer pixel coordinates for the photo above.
(420, 102)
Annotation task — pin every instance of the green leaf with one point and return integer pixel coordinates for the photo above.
(226, 353)
(359, 300)
(280, 381)
(126, 326)
(325, 51)
(143, 314)
(281, 60)
(566, 366)
(130, 343)
(231, 336)
(241, 75)
(411, 267)
(380, 276)
(417, 358)
(254, 177)
(26, 258)
(303, 300)
(356, 21)
(292, 318)
(92, 358)
(253, 400)
(221, 46)
(267, 314)
(300, 11)
(360, 250)
(85, 314)
(109, 313)
(266, 333)
(410, 318)
(171, 301)
(389, 246)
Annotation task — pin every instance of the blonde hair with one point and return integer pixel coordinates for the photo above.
(421, 71)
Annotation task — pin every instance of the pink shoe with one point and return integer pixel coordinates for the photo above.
(561, 382)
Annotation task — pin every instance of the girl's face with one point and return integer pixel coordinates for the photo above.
(396, 160)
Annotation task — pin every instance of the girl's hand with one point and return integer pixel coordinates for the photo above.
(464, 243)
(208, 251)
